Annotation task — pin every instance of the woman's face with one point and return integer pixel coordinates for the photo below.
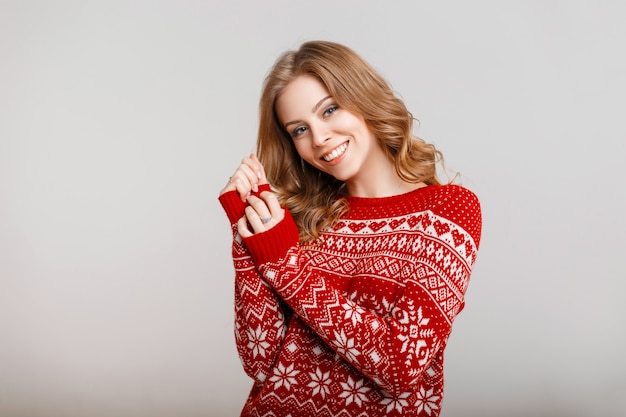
(328, 137)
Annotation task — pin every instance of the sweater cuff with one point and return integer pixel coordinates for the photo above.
(234, 207)
(273, 244)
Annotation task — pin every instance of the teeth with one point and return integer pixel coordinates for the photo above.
(337, 152)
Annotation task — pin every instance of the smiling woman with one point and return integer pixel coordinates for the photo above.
(332, 139)
(351, 267)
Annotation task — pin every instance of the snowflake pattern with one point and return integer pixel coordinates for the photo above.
(346, 346)
(426, 401)
(376, 305)
(257, 342)
(353, 313)
(354, 391)
(320, 382)
(396, 402)
(415, 333)
(284, 376)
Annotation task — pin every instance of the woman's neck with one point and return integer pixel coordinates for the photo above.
(381, 182)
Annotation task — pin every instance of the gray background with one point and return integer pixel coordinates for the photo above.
(120, 122)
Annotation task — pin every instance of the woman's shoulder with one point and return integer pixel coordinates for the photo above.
(453, 197)
(459, 205)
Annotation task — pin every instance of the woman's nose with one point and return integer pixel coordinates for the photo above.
(320, 134)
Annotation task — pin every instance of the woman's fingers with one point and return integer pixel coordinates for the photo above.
(260, 170)
(246, 178)
(255, 220)
(259, 215)
(272, 204)
(257, 172)
(263, 213)
(242, 227)
(244, 181)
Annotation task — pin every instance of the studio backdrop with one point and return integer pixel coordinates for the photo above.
(120, 121)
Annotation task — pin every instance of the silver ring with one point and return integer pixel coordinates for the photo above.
(265, 220)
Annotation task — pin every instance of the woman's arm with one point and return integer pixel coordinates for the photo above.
(260, 322)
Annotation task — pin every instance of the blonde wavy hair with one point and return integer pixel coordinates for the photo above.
(314, 198)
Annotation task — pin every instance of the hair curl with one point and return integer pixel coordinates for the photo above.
(313, 197)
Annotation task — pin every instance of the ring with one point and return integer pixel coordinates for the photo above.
(265, 220)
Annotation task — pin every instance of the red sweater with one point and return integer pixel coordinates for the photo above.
(355, 324)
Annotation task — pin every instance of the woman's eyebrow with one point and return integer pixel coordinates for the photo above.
(317, 106)
(319, 103)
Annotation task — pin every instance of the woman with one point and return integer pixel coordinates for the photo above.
(351, 268)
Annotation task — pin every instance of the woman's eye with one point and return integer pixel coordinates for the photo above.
(330, 110)
(298, 131)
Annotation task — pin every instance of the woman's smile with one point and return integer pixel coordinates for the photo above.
(335, 153)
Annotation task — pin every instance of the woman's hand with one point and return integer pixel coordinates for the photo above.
(262, 213)
(247, 178)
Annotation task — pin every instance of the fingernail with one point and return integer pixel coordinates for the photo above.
(255, 188)
(258, 174)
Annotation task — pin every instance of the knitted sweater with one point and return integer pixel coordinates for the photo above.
(356, 323)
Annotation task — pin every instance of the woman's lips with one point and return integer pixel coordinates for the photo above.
(338, 151)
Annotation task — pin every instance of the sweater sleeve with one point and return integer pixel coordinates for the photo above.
(260, 321)
(394, 349)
